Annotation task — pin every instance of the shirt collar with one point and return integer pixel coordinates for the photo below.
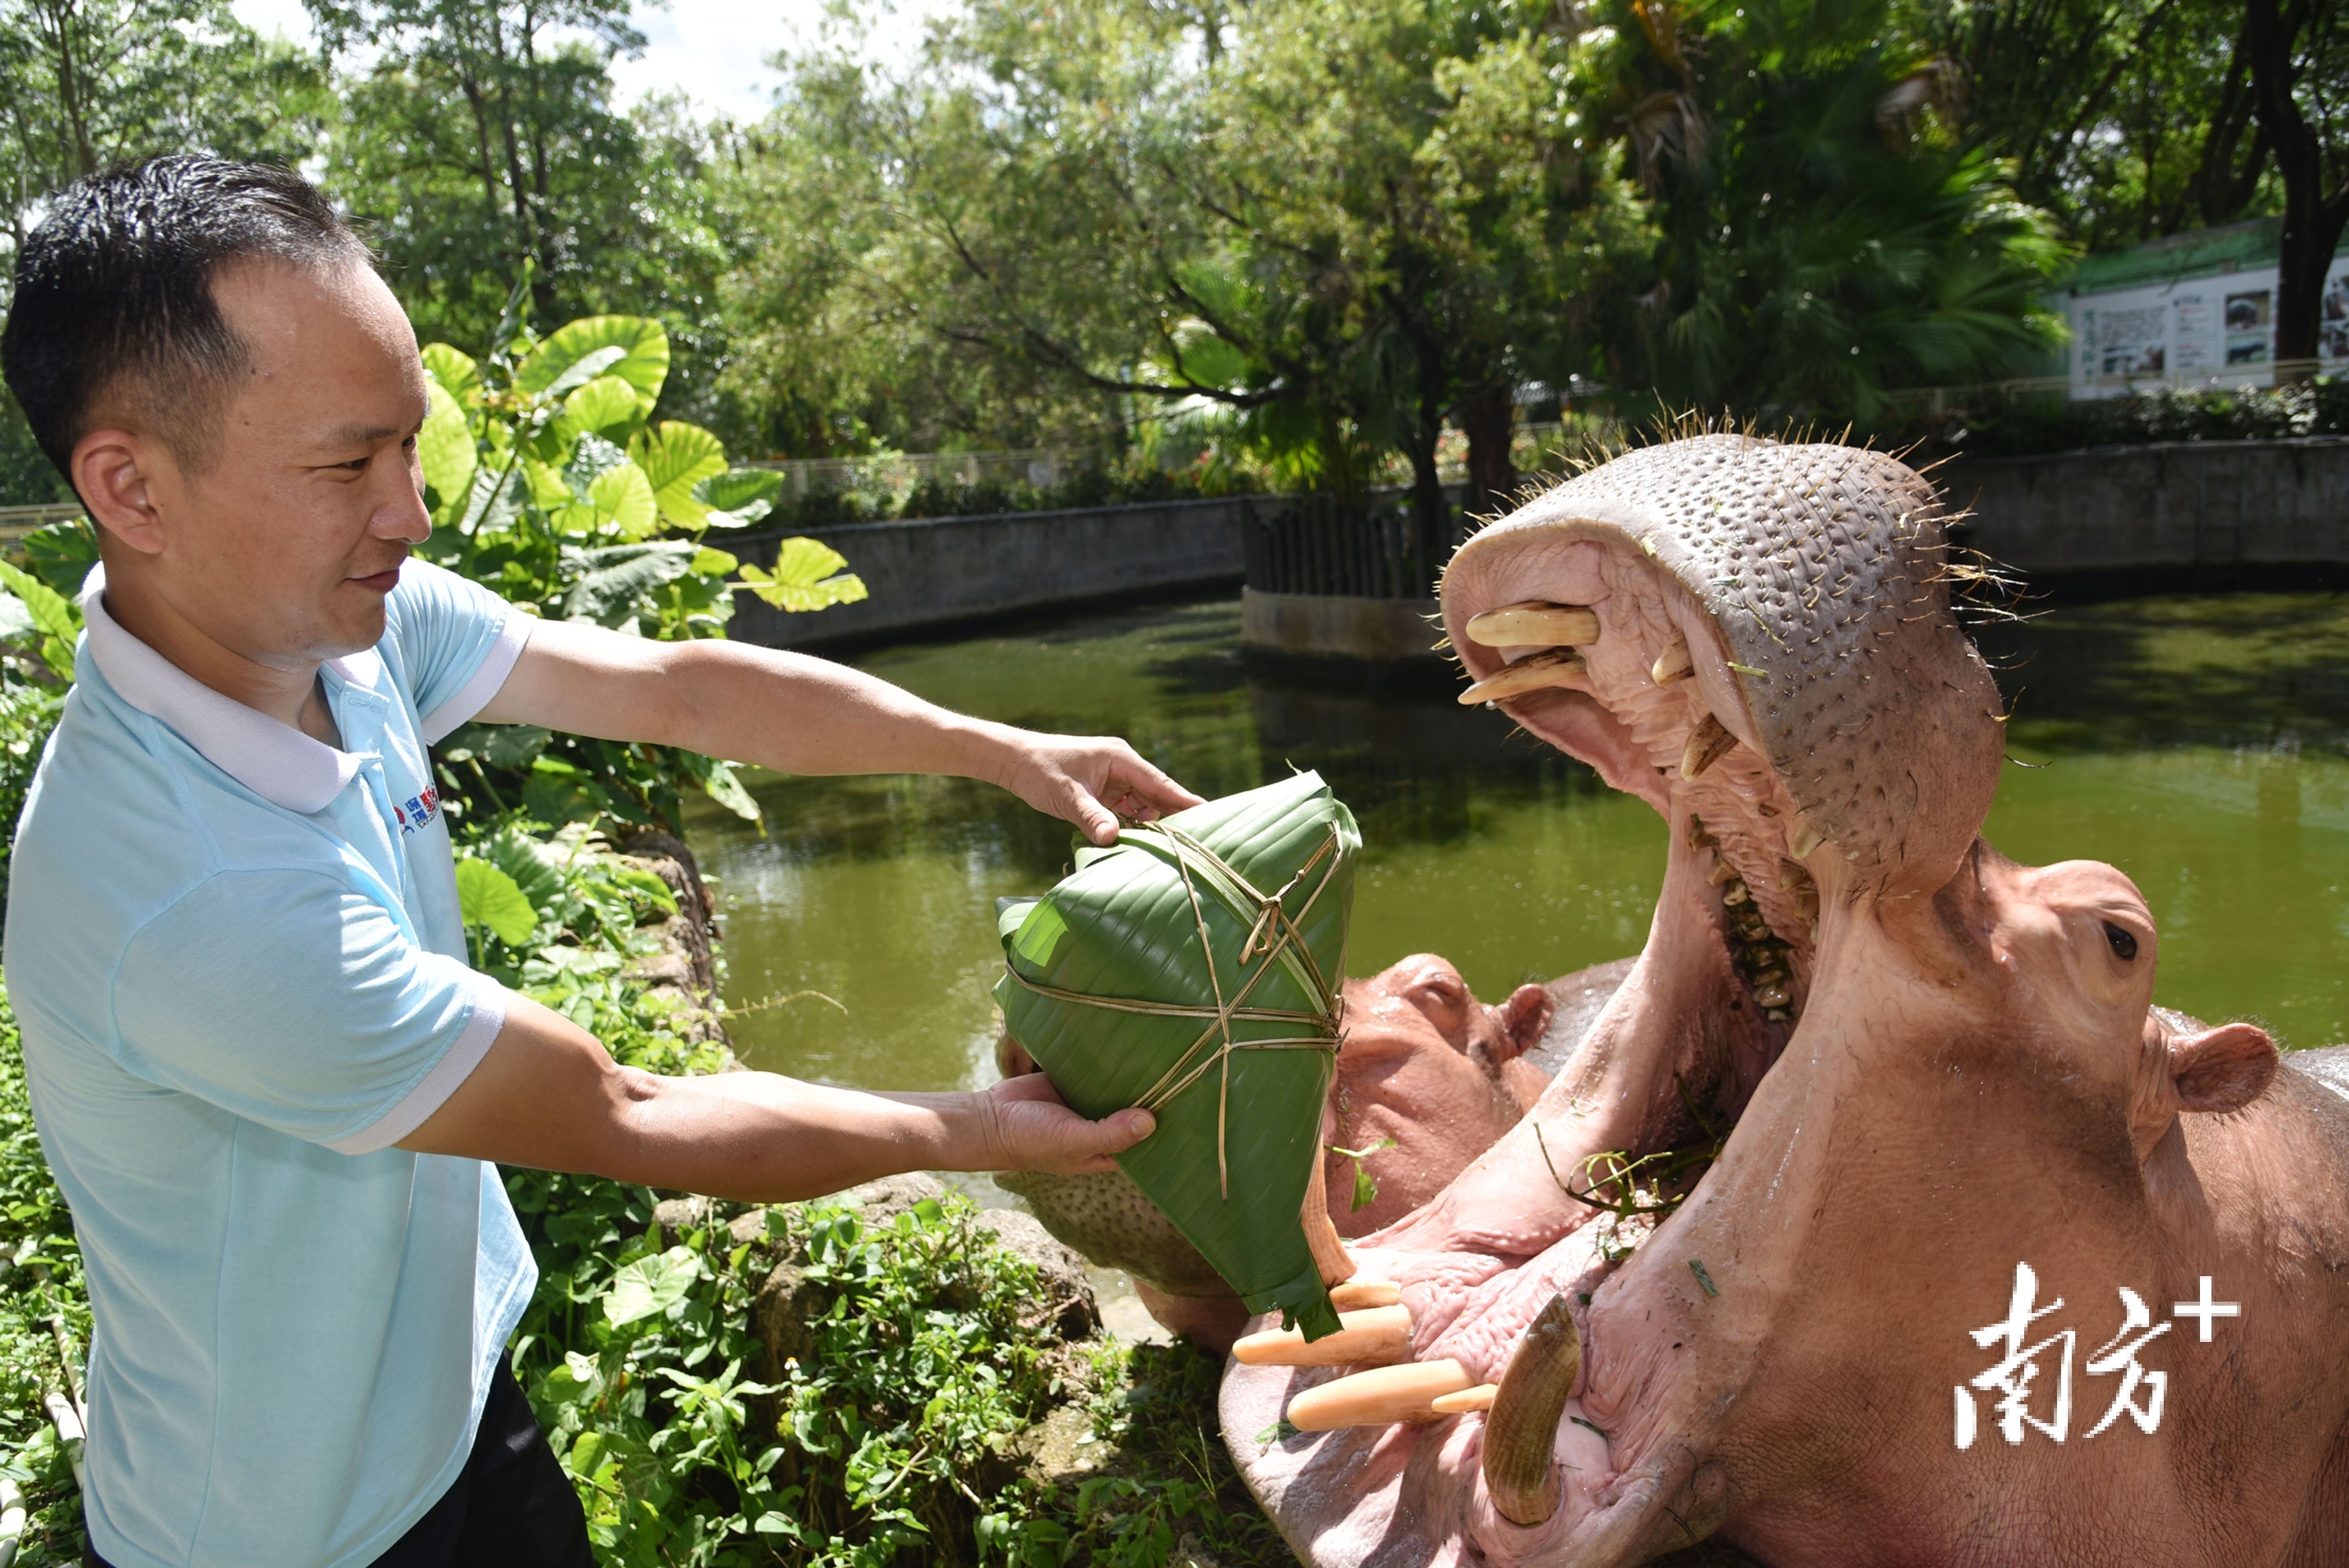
(275, 760)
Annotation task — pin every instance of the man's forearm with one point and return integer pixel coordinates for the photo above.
(764, 1139)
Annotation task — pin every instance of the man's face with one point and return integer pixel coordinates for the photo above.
(283, 546)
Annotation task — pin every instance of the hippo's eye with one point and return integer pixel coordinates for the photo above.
(2124, 945)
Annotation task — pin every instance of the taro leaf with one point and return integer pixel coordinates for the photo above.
(487, 896)
(61, 554)
(642, 363)
(497, 494)
(739, 497)
(803, 578)
(15, 621)
(1123, 927)
(587, 369)
(444, 447)
(603, 406)
(650, 1285)
(56, 619)
(709, 563)
(611, 582)
(677, 458)
(622, 497)
(514, 745)
(536, 866)
(728, 791)
(592, 457)
(456, 371)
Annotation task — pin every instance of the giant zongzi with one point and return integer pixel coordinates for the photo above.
(1192, 968)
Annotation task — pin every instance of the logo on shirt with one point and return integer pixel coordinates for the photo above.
(418, 812)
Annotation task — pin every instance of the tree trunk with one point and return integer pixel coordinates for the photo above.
(1489, 415)
(2313, 218)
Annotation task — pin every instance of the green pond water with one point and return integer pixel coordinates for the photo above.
(2199, 743)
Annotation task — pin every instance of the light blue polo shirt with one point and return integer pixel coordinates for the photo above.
(238, 961)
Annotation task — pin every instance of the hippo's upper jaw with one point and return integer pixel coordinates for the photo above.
(1756, 639)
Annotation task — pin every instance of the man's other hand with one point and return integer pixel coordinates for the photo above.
(1027, 1127)
(1089, 780)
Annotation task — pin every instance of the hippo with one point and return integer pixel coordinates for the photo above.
(1424, 1068)
(1946, 1245)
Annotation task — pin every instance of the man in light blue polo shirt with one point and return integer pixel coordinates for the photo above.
(267, 1080)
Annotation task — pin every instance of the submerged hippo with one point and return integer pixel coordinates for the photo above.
(1424, 1066)
(1993, 1263)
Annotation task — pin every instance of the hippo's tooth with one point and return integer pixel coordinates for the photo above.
(1521, 1429)
(1807, 839)
(1556, 667)
(1480, 1397)
(1535, 623)
(1771, 995)
(1374, 1336)
(1674, 664)
(1383, 1394)
(1357, 1293)
(1707, 744)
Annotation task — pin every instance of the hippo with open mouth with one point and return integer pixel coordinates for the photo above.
(1948, 1248)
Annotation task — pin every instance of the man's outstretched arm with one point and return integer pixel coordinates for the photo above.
(800, 715)
(546, 1095)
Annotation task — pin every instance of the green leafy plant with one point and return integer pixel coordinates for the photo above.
(549, 480)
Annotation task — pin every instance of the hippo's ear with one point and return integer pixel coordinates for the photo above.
(1524, 1018)
(2222, 1069)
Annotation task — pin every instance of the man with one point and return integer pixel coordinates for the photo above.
(265, 1078)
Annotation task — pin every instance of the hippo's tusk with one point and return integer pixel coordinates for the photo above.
(1357, 1293)
(1406, 1393)
(1467, 1400)
(1521, 1432)
(1806, 838)
(1330, 1254)
(1375, 1336)
(1707, 744)
(1534, 622)
(1555, 667)
(1674, 664)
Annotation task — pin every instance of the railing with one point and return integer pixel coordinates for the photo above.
(1939, 399)
(1307, 544)
(901, 471)
(16, 522)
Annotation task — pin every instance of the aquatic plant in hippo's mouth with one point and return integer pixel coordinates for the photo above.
(1722, 1277)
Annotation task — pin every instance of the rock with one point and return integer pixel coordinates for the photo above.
(681, 965)
(1061, 1284)
(1189, 1554)
(879, 1201)
(1060, 1450)
(676, 1216)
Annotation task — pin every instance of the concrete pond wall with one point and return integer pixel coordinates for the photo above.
(2177, 505)
(931, 573)
(2174, 509)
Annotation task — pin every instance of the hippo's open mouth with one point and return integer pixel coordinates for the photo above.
(1756, 640)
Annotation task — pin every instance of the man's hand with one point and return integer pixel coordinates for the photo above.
(1089, 780)
(1027, 1126)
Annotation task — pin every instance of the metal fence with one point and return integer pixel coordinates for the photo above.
(16, 522)
(1307, 544)
(898, 472)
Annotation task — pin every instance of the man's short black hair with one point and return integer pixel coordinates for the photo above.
(114, 291)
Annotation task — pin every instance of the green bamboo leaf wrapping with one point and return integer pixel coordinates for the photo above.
(1122, 926)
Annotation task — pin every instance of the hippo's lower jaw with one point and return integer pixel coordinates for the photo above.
(1781, 725)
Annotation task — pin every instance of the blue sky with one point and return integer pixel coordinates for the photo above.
(715, 50)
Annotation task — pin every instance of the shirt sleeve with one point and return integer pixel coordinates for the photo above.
(457, 640)
(286, 998)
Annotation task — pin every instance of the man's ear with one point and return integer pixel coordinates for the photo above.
(2222, 1069)
(114, 471)
(1524, 1019)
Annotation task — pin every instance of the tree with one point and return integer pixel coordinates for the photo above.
(2127, 118)
(481, 139)
(1827, 233)
(2300, 73)
(87, 83)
